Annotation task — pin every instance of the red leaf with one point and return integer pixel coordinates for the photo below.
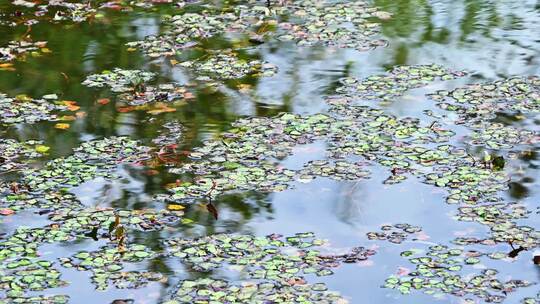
(6, 212)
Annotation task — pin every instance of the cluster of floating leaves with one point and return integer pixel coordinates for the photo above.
(401, 144)
(24, 274)
(185, 30)
(49, 299)
(153, 3)
(72, 223)
(210, 290)
(498, 136)
(395, 83)
(507, 232)
(45, 188)
(133, 88)
(340, 24)
(13, 153)
(106, 266)
(469, 184)
(244, 158)
(19, 49)
(23, 109)
(476, 103)
(264, 257)
(306, 22)
(229, 66)
(56, 10)
(280, 263)
(92, 159)
(171, 134)
(492, 214)
(438, 272)
(338, 170)
(394, 233)
(119, 80)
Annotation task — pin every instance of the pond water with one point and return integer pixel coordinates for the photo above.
(490, 41)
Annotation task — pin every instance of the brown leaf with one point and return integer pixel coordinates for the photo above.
(61, 126)
(212, 209)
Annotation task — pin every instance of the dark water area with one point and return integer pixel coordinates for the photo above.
(492, 40)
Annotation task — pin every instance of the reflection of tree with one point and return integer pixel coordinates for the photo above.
(348, 207)
(407, 17)
(466, 24)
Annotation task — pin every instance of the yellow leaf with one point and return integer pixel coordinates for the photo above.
(23, 97)
(42, 149)
(175, 207)
(62, 126)
(7, 67)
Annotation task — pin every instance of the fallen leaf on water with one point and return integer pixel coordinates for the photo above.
(71, 105)
(7, 67)
(175, 207)
(210, 207)
(152, 172)
(402, 271)
(296, 281)
(42, 149)
(6, 212)
(125, 109)
(68, 118)
(23, 97)
(61, 126)
(536, 259)
(188, 95)
(161, 108)
(103, 101)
